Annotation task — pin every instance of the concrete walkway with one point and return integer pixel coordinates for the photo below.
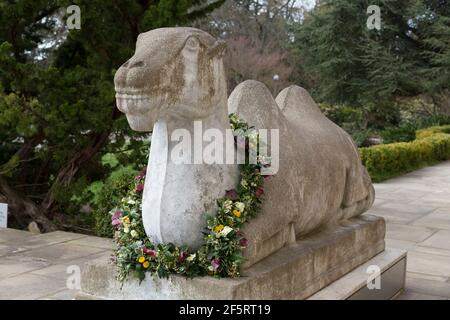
(416, 207)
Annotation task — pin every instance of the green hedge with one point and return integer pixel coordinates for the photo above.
(389, 160)
(424, 133)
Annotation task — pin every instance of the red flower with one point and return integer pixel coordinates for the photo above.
(259, 192)
(182, 257)
(140, 187)
(150, 252)
(243, 242)
(232, 194)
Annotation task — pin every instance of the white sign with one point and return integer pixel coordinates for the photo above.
(3, 215)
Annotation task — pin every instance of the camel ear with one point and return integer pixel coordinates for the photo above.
(217, 49)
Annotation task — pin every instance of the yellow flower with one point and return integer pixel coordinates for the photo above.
(141, 259)
(218, 228)
(146, 264)
(237, 213)
(126, 220)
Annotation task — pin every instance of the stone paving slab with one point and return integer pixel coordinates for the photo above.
(417, 209)
(438, 219)
(411, 295)
(408, 232)
(28, 286)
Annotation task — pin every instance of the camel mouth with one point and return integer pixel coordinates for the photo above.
(136, 102)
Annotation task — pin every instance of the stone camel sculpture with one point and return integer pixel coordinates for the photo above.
(175, 77)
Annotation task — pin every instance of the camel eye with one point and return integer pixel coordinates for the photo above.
(192, 43)
(137, 64)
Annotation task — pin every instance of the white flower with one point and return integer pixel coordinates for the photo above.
(227, 205)
(239, 206)
(226, 230)
(126, 230)
(191, 257)
(134, 234)
(244, 183)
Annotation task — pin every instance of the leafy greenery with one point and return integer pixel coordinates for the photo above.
(110, 194)
(58, 116)
(389, 160)
(350, 64)
(220, 255)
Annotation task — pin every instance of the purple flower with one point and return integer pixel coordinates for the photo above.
(140, 187)
(232, 194)
(215, 263)
(243, 242)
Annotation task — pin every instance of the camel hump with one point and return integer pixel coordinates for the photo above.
(254, 103)
(297, 104)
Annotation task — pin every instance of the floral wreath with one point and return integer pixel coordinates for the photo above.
(220, 255)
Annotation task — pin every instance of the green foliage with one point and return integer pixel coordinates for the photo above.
(406, 131)
(108, 195)
(425, 133)
(390, 160)
(403, 133)
(57, 107)
(350, 64)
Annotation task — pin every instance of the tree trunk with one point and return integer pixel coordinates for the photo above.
(23, 208)
(67, 173)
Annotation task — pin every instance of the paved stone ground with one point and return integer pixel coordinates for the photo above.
(416, 207)
(36, 266)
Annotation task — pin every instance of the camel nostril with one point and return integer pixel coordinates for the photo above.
(137, 64)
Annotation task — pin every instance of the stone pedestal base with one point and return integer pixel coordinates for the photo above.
(295, 272)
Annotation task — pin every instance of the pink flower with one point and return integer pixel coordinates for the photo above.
(215, 263)
(243, 242)
(140, 187)
(117, 215)
(150, 252)
(138, 177)
(232, 194)
(115, 220)
(259, 192)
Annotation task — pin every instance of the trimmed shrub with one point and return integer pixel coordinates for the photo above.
(424, 133)
(390, 160)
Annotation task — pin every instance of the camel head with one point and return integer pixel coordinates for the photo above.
(174, 72)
